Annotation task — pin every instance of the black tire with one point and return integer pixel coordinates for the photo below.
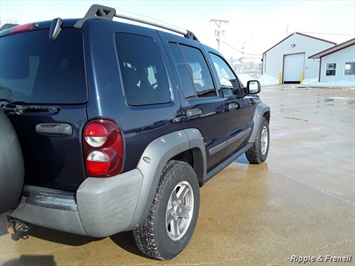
(260, 150)
(157, 238)
(11, 166)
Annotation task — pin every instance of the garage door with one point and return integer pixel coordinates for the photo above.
(293, 68)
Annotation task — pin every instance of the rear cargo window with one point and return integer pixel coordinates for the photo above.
(38, 70)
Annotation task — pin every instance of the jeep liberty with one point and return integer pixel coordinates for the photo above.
(109, 126)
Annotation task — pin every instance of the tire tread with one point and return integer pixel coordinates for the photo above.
(144, 234)
(148, 235)
(254, 155)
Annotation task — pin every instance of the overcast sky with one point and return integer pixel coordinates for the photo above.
(254, 25)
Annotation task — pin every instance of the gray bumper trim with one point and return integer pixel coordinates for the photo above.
(100, 208)
(50, 198)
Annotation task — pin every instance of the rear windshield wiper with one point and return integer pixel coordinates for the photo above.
(20, 109)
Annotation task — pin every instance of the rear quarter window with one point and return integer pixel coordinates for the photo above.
(38, 70)
(143, 72)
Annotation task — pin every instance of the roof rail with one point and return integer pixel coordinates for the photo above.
(108, 13)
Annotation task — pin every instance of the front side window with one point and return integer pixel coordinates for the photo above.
(194, 74)
(349, 68)
(228, 80)
(143, 73)
(38, 70)
(331, 69)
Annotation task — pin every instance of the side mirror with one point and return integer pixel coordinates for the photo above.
(253, 87)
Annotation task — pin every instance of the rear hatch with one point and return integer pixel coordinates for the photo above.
(45, 83)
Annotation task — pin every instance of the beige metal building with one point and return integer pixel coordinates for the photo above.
(289, 59)
(337, 63)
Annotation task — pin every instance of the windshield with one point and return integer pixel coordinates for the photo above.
(38, 70)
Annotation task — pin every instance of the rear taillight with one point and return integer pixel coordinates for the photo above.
(103, 148)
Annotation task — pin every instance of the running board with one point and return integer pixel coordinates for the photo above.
(227, 162)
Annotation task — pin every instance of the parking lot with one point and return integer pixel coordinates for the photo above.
(296, 208)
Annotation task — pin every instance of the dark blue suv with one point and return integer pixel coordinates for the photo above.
(109, 126)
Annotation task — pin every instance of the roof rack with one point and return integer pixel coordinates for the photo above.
(108, 13)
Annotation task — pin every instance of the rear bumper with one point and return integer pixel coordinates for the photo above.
(101, 206)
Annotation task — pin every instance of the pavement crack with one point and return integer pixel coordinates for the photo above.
(296, 118)
(317, 189)
(333, 245)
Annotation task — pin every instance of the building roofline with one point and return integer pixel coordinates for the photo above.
(333, 49)
(302, 34)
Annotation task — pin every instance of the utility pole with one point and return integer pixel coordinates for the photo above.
(219, 32)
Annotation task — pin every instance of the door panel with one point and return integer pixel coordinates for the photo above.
(239, 122)
(212, 123)
(239, 107)
(202, 108)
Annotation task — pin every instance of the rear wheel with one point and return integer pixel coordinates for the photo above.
(11, 166)
(259, 152)
(173, 214)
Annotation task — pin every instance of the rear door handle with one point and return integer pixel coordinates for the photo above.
(61, 129)
(193, 113)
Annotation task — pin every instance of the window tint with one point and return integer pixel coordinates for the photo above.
(38, 70)
(195, 77)
(142, 69)
(229, 82)
(183, 71)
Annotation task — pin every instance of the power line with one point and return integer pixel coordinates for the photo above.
(256, 55)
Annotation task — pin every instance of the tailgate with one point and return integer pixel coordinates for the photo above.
(47, 107)
(51, 147)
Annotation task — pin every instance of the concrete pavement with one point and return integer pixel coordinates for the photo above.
(296, 208)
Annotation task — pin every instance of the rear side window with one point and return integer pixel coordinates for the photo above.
(38, 70)
(143, 73)
(194, 74)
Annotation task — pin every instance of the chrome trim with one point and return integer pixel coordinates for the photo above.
(239, 136)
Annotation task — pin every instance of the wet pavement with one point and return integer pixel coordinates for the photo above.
(296, 208)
